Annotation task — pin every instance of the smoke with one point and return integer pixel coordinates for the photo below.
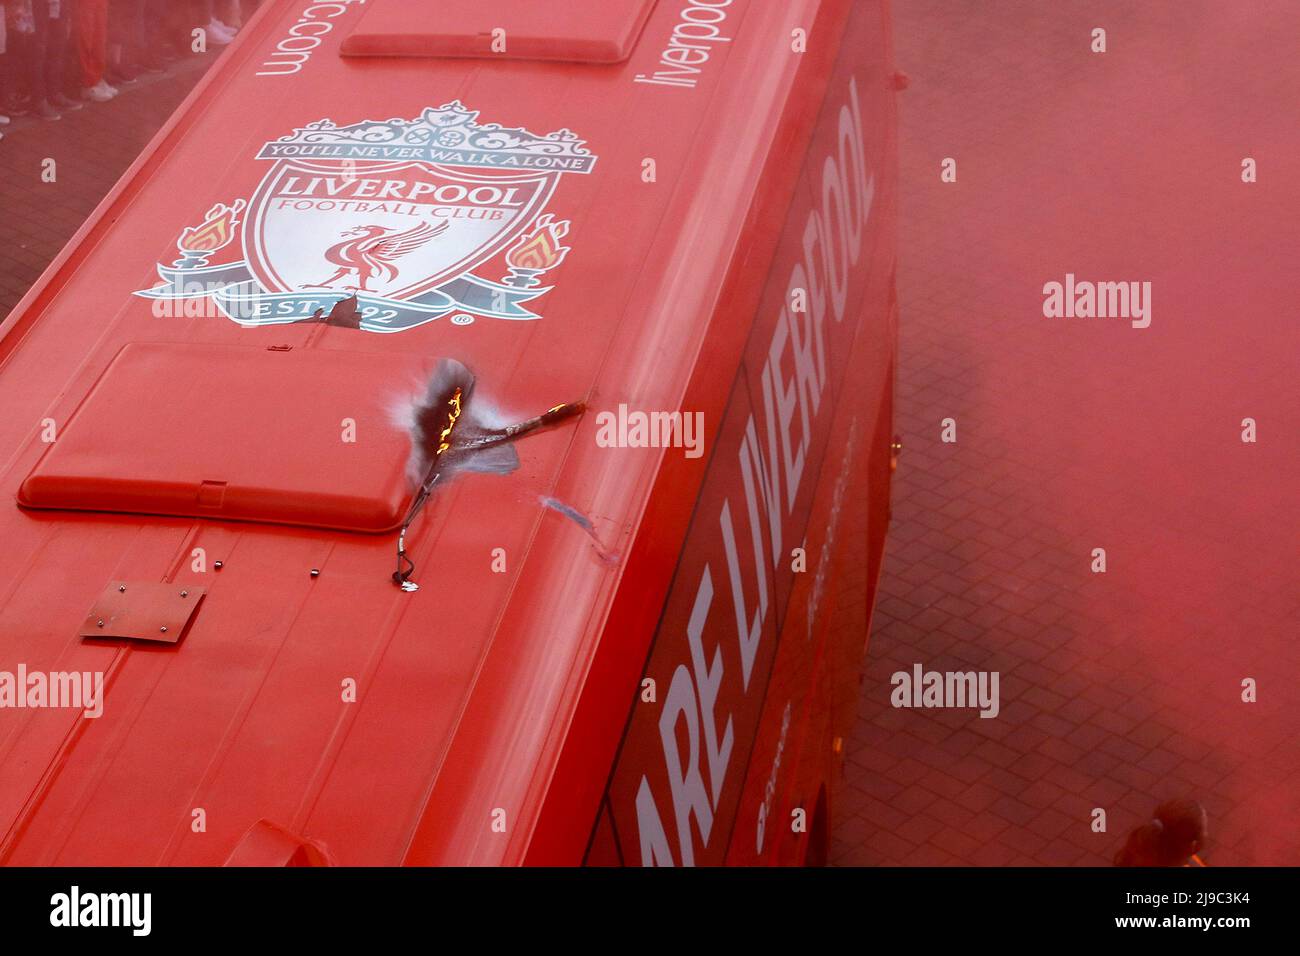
(583, 522)
(1077, 434)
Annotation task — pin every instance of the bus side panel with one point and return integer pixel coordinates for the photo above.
(604, 844)
(794, 762)
(812, 701)
(689, 743)
(675, 792)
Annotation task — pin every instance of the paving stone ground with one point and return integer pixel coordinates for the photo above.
(1118, 689)
(91, 148)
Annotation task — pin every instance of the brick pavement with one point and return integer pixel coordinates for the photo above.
(91, 148)
(1118, 689)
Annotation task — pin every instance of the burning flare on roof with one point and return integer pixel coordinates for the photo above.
(450, 433)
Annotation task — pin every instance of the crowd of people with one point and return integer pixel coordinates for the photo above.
(58, 55)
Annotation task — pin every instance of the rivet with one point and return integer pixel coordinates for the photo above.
(315, 572)
(185, 594)
(163, 628)
(99, 624)
(121, 587)
(217, 565)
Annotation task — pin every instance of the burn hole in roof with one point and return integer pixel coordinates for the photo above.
(581, 31)
(238, 433)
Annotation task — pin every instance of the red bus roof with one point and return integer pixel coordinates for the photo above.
(593, 219)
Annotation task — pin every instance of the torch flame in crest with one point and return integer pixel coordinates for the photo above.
(540, 249)
(216, 231)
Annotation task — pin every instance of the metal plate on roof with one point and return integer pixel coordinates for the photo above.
(142, 611)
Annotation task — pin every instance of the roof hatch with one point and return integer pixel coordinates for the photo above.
(235, 432)
(583, 31)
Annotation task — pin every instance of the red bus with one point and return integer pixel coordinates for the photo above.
(461, 439)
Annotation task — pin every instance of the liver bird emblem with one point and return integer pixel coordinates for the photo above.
(369, 251)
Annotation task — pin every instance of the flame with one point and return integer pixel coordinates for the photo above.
(444, 440)
(540, 249)
(216, 231)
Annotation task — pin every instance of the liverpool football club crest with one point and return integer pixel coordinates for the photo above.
(416, 218)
